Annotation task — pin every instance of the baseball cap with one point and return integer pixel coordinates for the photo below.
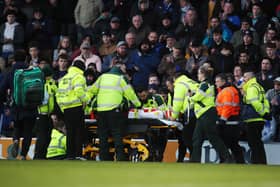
(277, 79)
(115, 19)
(248, 33)
(121, 43)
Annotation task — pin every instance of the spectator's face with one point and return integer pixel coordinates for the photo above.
(270, 34)
(130, 39)
(170, 42)
(166, 22)
(85, 52)
(270, 52)
(219, 82)
(245, 26)
(176, 52)
(137, 21)
(247, 39)
(237, 72)
(11, 18)
(115, 25)
(122, 50)
(183, 3)
(65, 43)
(106, 39)
(154, 80)
(217, 37)
(62, 63)
(243, 58)
(145, 47)
(52, 2)
(214, 22)
(33, 51)
(38, 15)
(228, 8)
(190, 16)
(276, 85)
(266, 66)
(256, 11)
(196, 50)
(153, 37)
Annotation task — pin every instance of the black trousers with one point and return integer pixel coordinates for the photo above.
(254, 134)
(111, 123)
(185, 139)
(75, 125)
(43, 129)
(206, 128)
(230, 135)
(23, 128)
(157, 140)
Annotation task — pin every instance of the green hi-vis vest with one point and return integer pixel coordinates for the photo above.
(57, 146)
(48, 102)
(203, 99)
(155, 101)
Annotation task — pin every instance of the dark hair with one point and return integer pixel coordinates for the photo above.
(207, 71)
(63, 56)
(267, 58)
(222, 76)
(79, 64)
(140, 89)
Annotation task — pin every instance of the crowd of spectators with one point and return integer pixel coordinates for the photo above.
(152, 37)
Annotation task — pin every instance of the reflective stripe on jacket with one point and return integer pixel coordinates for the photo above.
(110, 88)
(72, 89)
(227, 102)
(254, 95)
(50, 88)
(183, 86)
(57, 146)
(203, 99)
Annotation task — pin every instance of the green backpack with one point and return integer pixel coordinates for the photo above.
(28, 90)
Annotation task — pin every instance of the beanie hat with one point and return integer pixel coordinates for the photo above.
(79, 64)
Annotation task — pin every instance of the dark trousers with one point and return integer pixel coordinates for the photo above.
(254, 134)
(111, 123)
(206, 128)
(24, 128)
(43, 128)
(157, 140)
(185, 139)
(230, 135)
(75, 124)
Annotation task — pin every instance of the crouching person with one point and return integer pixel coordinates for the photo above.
(57, 146)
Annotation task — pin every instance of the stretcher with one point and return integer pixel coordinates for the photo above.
(136, 128)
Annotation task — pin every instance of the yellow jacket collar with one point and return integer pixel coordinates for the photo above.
(247, 84)
(74, 69)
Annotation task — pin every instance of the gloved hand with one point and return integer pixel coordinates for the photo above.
(267, 116)
(221, 121)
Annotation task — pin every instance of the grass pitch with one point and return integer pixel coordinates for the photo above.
(112, 174)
